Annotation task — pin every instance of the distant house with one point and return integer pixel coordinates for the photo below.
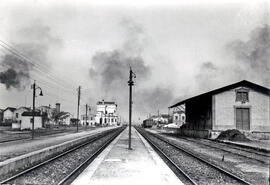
(1, 116)
(8, 115)
(48, 110)
(89, 120)
(179, 117)
(243, 105)
(161, 119)
(64, 118)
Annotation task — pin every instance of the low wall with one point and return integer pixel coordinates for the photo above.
(195, 133)
(258, 135)
(12, 166)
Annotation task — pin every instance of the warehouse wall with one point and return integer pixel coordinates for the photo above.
(224, 106)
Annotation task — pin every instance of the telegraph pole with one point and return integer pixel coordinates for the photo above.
(130, 84)
(79, 96)
(86, 108)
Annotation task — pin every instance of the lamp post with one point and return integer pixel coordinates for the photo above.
(34, 97)
(130, 84)
(106, 115)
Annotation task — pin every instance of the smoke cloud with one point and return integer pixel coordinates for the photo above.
(153, 99)
(34, 41)
(110, 69)
(17, 72)
(252, 62)
(254, 55)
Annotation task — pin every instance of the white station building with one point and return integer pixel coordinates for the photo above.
(106, 113)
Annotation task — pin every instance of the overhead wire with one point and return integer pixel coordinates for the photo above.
(43, 81)
(39, 66)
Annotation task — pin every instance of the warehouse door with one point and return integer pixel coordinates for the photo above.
(242, 119)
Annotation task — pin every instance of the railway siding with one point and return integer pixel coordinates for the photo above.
(248, 167)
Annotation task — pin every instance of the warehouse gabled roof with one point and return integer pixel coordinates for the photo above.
(244, 83)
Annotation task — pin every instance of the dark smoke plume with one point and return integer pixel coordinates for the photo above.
(16, 74)
(252, 63)
(110, 69)
(153, 99)
(34, 41)
(254, 55)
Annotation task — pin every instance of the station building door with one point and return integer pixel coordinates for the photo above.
(243, 118)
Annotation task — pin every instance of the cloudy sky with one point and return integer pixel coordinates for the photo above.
(177, 49)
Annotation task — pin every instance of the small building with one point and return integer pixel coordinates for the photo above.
(27, 119)
(106, 113)
(243, 105)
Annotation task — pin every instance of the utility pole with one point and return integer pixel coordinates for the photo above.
(79, 96)
(86, 108)
(130, 83)
(33, 116)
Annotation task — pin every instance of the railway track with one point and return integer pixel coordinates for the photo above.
(64, 168)
(235, 150)
(194, 169)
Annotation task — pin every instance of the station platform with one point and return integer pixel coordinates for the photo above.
(13, 149)
(117, 165)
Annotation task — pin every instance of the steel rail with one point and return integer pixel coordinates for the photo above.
(95, 137)
(66, 179)
(186, 176)
(239, 179)
(228, 150)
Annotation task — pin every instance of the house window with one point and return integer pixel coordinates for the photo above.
(17, 115)
(242, 96)
(183, 118)
(176, 117)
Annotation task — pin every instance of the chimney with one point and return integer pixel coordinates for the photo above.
(57, 107)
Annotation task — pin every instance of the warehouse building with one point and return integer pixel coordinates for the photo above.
(244, 106)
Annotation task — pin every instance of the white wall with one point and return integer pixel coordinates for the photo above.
(8, 114)
(19, 111)
(26, 122)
